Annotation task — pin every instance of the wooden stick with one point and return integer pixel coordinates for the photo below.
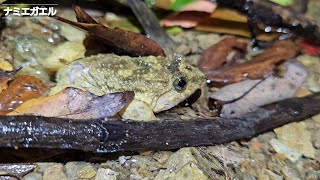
(102, 135)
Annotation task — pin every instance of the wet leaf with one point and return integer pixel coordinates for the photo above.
(201, 6)
(20, 90)
(229, 15)
(4, 79)
(122, 41)
(258, 67)
(216, 55)
(309, 47)
(270, 90)
(76, 104)
(185, 19)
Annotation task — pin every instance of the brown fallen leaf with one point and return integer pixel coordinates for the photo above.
(256, 68)
(4, 79)
(122, 41)
(222, 20)
(201, 6)
(20, 90)
(216, 55)
(271, 89)
(186, 19)
(75, 104)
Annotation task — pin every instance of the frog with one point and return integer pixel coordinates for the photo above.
(159, 83)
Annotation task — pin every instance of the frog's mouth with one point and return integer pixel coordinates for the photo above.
(171, 99)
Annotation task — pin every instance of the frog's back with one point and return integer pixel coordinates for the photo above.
(109, 73)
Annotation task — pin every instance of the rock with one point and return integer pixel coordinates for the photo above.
(288, 152)
(183, 49)
(182, 165)
(64, 54)
(207, 40)
(106, 174)
(86, 172)
(316, 138)
(290, 173)
(80, 170)
(224, 154)
(5, 65)
(313, 65)
(71, 33)
(162, 156)
(33, 176)
(54, 171)
(273, 176)
(316, 118)
(311, 175)
(296, 136)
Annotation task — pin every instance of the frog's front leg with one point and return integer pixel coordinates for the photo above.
(137, 110)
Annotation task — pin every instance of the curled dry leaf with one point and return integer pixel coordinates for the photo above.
(256, 68)
(75, 104)
(270, 90)
(122, 41)
(20, 90)
(216, 55)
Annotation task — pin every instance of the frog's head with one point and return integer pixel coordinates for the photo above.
(184, 80)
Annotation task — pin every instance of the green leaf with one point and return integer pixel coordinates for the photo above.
(174, 30)
(178, 4)
(283, 2)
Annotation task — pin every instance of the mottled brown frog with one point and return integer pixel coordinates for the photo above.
(159, 83)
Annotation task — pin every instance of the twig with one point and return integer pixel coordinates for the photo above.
(115, 135)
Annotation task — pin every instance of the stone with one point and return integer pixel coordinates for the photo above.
(86, 172)
(54, 171)
(162, 156)
(296, 136)
(316, 118)
(290, 173)
(33, 176)
(273, 176)
(207, 40)
(288, 152)
(182, 165)
(313, 65)
(106, 174)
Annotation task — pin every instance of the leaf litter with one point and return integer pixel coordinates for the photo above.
(270, 84)
(271, 89)
(75, 104)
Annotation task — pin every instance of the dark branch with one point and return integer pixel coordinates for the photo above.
(116, 135)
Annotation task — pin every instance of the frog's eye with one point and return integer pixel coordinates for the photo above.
(179, 83)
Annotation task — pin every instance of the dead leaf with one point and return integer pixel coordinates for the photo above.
(216, 25)
(258, 67)
(216, 55)
(4, 79)
(20, 90)
(75, 104)
(201, 6)
(229, 15)
(270, 90)
(310, 47)
(185, 19)
(122, 41)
